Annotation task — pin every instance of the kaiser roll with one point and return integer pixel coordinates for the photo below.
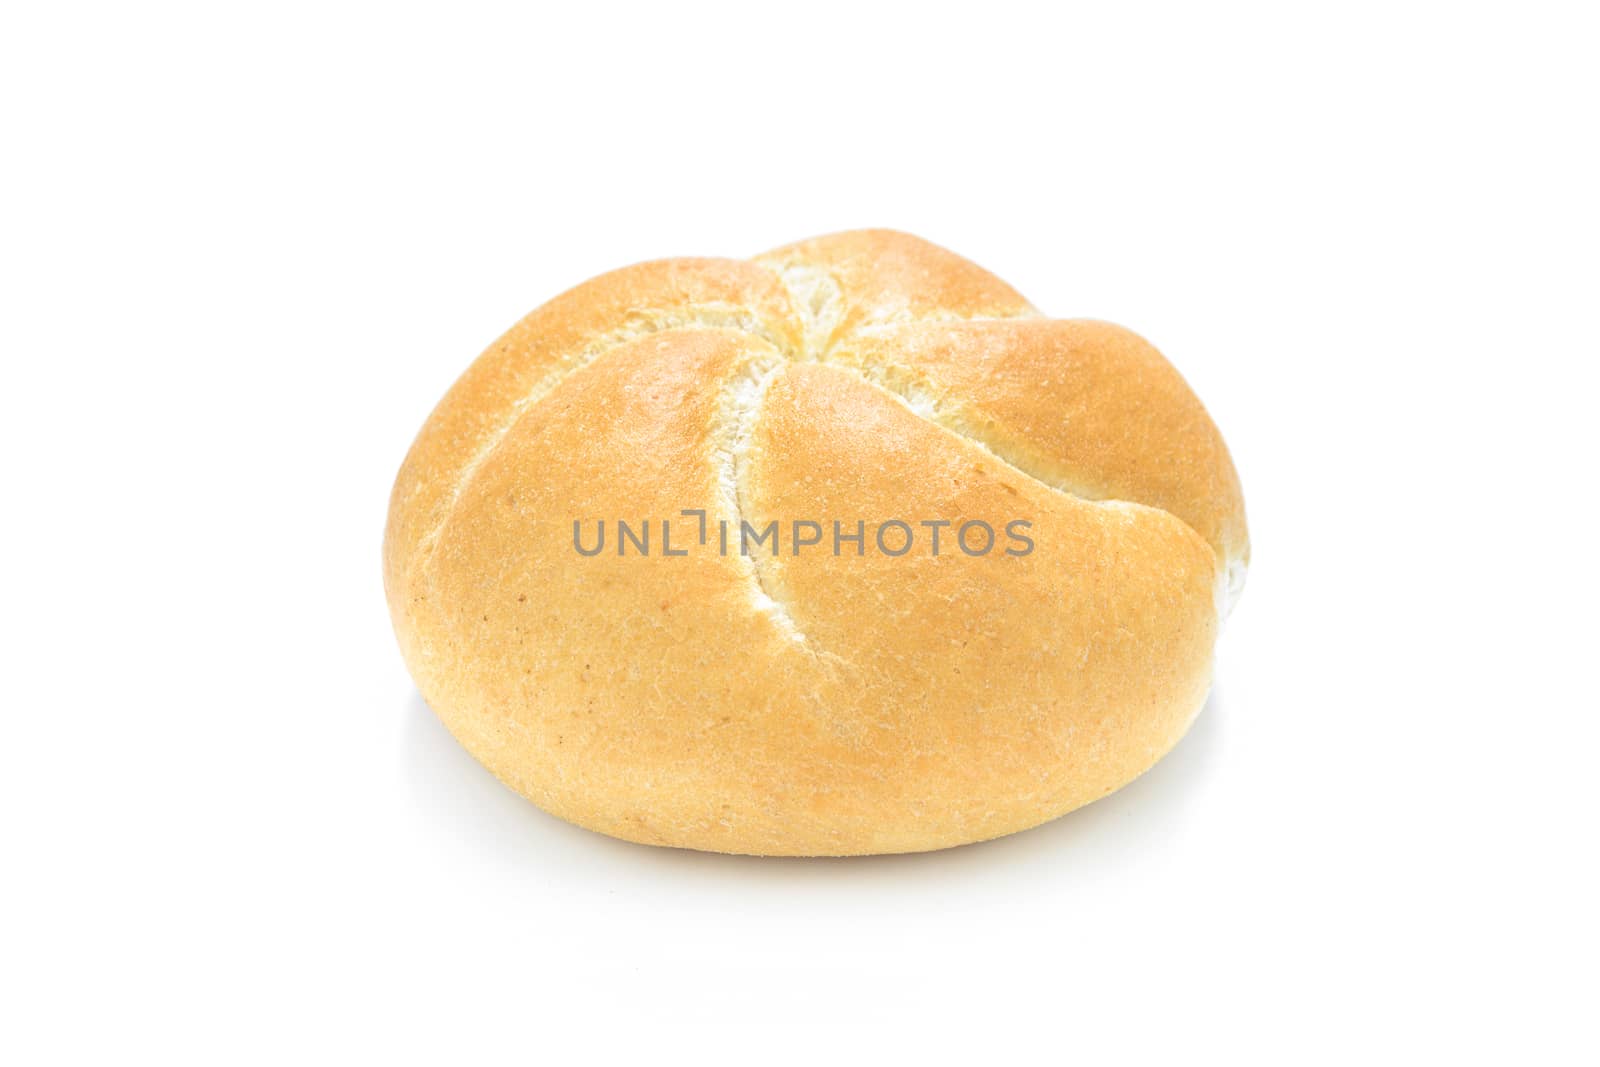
(844, 549)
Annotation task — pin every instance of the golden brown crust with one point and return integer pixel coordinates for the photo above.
(515, 373)
(813, 703)
(1076, 403)
(863, 278)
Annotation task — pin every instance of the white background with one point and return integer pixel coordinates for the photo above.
(244, 253)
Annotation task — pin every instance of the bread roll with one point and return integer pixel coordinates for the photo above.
(842, 685)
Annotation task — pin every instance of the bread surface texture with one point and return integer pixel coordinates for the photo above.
(835, 698)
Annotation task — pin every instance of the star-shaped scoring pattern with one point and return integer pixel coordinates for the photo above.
(863, 375)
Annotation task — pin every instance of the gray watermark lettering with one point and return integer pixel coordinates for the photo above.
(796, 542)
(859, 537)
(891, 538)
(900, 524)
(988, 532)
